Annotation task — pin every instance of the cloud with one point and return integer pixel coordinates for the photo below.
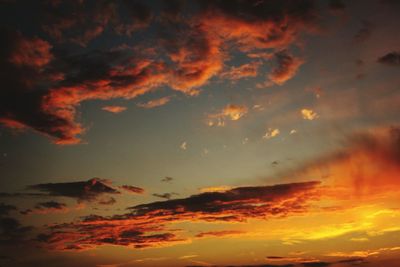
(337, 5)
(146, 225)
(236, 204)
(315, 263)
(309, 114)
(288, 66)
(155, 103)
(231, 111)
(80, 22)
(133, 189)
(5, 209)
(165, 195)
(167, 179)
(12, 232)
(49, 80)
(46, 208)
(242, 71)
(114, 109)
(81, 191)
(356, 170)
(390, 59)
(271, 133)
(218, 233)
(48, 91)
(364, 33)
(183, 146)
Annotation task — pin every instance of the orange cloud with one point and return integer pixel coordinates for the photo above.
(114, 109)
(231, 111)
(309, 114)
(271, 133)
(219, 233)
(155, 103)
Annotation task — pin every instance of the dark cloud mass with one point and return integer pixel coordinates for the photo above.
(391, 59)
(82, 191)
(46, 207)
(146, 225)
(5, 209)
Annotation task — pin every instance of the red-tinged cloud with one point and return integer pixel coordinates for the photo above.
(286, 69)
(31, 52)
(148, 225)
(83, 21)
(199, 52)
(155, 102)
(225, 233)
(132, 189)
(114, 109)
(50, 82)
(107, 82)
(242, 71)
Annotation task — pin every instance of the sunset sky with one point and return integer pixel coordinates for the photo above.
(229, 133)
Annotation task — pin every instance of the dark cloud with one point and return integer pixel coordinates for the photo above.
(146, 225)
(219, 233)
(337, 5)
(5, 209)
(391, 59)
(82, 191)
(12, 232)
(364, 33)
(132, 189)
(46, 207)
(165, 195)
(287, 66)
(238, 204)
(167, 179)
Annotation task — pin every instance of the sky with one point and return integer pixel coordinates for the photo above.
(191, 133)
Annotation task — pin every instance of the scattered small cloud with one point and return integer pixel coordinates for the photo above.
(231, 111)
(309, 114)
(271, 133)
(167, 179)
(155, 103)
(183, 146)
(114, 109)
